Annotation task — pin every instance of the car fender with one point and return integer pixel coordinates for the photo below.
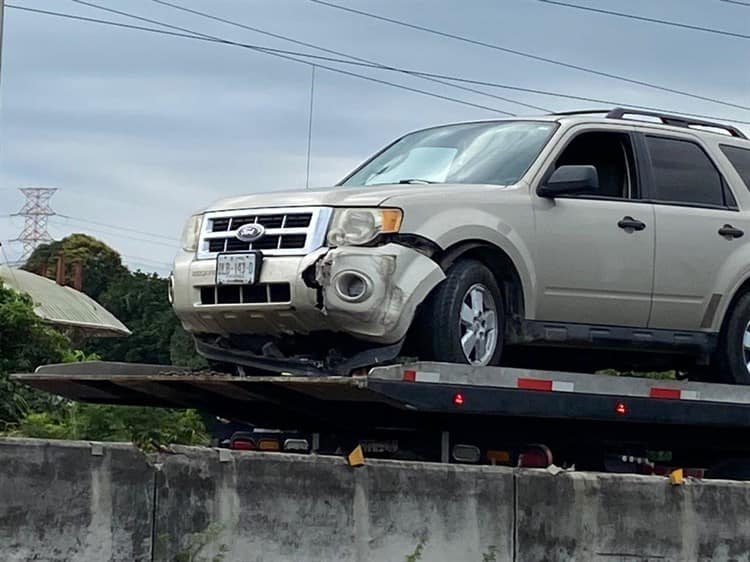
(484, 227)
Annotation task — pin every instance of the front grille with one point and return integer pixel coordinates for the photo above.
(293, 231)
(262, 293)
(291, 220)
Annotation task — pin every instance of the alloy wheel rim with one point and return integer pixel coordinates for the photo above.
(478, 325)
(746, 346)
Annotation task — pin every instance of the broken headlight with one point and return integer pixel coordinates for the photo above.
(355, 227)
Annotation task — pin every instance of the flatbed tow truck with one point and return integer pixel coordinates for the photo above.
(450, 413)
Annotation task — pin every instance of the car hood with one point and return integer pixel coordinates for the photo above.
(335, 196)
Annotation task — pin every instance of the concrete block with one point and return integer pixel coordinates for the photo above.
(270, 507)
(63, 500)
(628, 518)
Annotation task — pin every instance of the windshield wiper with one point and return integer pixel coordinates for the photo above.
(416, 180)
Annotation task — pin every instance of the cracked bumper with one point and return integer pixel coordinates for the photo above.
(398, 279)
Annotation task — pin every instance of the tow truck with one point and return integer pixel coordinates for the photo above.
(449, 413)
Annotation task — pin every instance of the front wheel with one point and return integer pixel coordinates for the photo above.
(733, 353)
(463, 319)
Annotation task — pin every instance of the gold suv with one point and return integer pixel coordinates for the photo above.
(619, 230)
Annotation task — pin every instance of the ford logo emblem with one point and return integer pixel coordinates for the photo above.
(251, 232)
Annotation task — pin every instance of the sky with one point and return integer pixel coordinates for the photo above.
(138, 130)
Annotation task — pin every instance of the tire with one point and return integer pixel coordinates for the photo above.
(441, 327)
(733, 352)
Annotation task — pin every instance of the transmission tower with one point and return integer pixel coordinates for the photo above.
(35, 211)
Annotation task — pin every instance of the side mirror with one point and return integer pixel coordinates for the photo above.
(567, 180)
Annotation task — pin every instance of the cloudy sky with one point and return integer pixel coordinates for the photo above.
(137, 130)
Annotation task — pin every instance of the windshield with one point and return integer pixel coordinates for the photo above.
(495, 153)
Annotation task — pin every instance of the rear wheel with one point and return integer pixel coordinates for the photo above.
(463, 319)
(733, 353)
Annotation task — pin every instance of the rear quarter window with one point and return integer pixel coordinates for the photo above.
(740, 159)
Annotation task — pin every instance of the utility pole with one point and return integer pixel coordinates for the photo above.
(2, 12)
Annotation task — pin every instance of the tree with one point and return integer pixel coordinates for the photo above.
(101, 264)
(140, 301)
(25, 343)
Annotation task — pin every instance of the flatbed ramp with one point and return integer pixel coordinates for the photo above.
(432, 410)
(402, 395)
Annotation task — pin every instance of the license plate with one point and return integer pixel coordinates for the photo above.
(237, 269)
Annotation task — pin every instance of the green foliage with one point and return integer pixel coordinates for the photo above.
(101, 264)
(25, 343)
(656, 375)
(182, 351)
(139, 300)
(418, 551)
(148, 428)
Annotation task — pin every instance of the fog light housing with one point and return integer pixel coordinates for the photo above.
(353, 286)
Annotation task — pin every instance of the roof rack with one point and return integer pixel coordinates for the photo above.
(666, 119)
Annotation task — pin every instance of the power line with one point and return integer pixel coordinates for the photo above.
(527, 55)
(382, 67)
(274, 52)
(117, 227)
(369, 62)
(647, 19)
(738, 2)
(440, 78)
(119, 235)
(146, 261)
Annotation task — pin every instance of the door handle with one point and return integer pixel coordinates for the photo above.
(729, 231)
(629, 223)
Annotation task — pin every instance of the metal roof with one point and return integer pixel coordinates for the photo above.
(63, 307)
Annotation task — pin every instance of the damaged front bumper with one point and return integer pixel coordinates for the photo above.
(370, 293)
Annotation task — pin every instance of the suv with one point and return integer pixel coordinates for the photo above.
(616, 231)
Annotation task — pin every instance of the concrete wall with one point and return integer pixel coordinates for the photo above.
(628, 518)
(74, 501)
(293, 508)
(63, 501)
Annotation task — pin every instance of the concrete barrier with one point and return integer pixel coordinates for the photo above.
(297, 508)
(628, 518)
(72, 501)
(63, 501)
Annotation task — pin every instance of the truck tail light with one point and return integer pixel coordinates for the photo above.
(466, 453)
(266, 444)
(535, 456)
(242, 444)
(297, 445)
(498, 457)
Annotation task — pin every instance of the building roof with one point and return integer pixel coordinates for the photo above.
(64, 307)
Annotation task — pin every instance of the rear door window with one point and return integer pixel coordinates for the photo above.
(740, 159)
(683, 173)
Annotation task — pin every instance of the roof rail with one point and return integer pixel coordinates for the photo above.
(581, 112)
(666, 119)
(675, 120)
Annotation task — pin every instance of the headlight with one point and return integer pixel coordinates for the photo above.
(191, 233)
(354, 227)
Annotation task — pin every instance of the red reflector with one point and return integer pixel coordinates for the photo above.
(621, 408)
(410, 376)
(243, 445)
(534, 384)
(458, 399)
(667, 393)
